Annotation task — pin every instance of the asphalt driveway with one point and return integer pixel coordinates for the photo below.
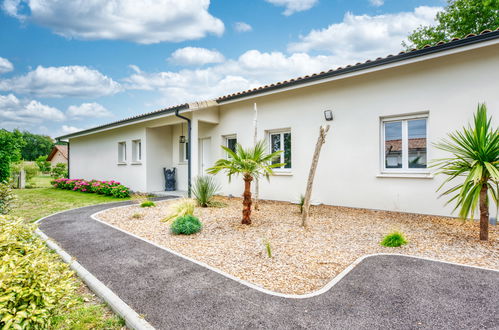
(381, 292)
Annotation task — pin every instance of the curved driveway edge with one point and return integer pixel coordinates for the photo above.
(383, 291)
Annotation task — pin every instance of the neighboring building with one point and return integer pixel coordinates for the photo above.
(387, 113)
(59, 154)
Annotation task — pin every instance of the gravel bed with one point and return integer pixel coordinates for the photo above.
(304, 260)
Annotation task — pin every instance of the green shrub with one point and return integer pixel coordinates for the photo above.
(7, 198)
(43, 164)
(183, 207)
(136, 216)
(147, 204)
(60, 170)
(204, 188)
(394, 239)
(35, 284)
(186, 225)
(268, 248)
(301, 203)
(120, 191)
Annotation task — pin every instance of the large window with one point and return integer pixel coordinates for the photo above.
(136, 151)
(281, 140)
(122, 152)
(405, 143)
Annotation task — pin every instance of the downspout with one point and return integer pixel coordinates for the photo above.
(58, 141)
(189, 146)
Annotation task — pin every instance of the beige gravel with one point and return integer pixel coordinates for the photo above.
(304, 260)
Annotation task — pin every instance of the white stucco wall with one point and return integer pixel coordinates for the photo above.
(58, 158)
(447, 88)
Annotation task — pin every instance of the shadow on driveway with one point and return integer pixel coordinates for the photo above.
(385, 291)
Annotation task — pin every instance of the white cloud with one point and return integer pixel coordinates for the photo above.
(363, 37)
(242, 27)
(63, 81)
(144, 21)
(16, 112)
(196, 56)
(66, 129)
(293, 6)
(88, 110)
(377, 3)
(253, 68)
(5, 65)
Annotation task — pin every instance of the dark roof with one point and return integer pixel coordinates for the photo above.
(404, 55)
(63, 148)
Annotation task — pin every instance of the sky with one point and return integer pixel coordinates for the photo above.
(71, 65)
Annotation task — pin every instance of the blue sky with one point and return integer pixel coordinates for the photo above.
(68, 65)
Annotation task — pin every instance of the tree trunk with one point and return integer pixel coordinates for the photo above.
(247, 200)
(315, 160)
(484, 214)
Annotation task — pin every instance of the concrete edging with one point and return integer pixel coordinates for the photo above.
(132, 318)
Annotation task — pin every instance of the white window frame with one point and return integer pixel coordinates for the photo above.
(137, 151)
(122, 152)
(226, 139)
(405, 147)
(281, 131)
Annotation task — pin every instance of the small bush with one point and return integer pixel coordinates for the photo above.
(108, 188)
(59, 171)
(186, 225)
(147, 204)
(35, 284)
(183, 207)
(7, 198)
(43, 164)
(394, 239)
(268, 248)
(137, 216)
(204, 188)
(301, 203)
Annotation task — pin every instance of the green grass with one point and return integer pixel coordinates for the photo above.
(33, 204)
(88, 316)
(41, 181)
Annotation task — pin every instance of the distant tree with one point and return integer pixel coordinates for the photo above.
(43, 164)
(11, 144)
(475, 165)
(36, 145)
(458, 19)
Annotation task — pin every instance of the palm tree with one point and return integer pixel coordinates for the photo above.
(475, 161)
(251, 163)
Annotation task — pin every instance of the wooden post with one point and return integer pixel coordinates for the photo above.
(255, 140)
(315, 160)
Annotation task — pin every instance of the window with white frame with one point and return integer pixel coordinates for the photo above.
(230, 142)
(121, 152)
(136, 151)
(405, 143)
(281, 140)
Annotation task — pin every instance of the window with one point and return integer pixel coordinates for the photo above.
(136, 151)
(121, 152)
(230, 142)
(405, 143)
(183, 152)
(281, 140)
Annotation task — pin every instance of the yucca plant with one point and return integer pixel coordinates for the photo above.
(475, 163)
(205, 187)
(250, 163)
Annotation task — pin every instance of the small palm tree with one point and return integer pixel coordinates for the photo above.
(475, 160)
(250, 163)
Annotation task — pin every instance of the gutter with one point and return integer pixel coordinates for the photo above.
(189, 146)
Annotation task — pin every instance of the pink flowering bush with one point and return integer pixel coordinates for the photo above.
(108, 188)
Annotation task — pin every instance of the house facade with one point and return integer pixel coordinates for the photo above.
(387, 113)
(59, 154)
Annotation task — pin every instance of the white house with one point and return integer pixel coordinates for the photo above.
(387, 113)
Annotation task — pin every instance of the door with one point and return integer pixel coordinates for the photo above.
(204, 155)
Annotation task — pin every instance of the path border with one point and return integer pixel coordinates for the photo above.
(322, 290)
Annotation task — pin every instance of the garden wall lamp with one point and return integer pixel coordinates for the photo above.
(328, 114)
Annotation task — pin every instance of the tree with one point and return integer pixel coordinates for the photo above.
(10, 151)
(250, 163)
(35, 145)
(458, 19)
(475, 161)
(43, 164)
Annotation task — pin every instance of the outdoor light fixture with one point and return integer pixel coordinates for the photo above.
(182, 137)
(328, 114)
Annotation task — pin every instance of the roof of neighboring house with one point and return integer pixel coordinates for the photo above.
(380, 61)
(63, 149)
(396, 145)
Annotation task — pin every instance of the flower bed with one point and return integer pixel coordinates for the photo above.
(108, 188)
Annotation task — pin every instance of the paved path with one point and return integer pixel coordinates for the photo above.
(389, 292)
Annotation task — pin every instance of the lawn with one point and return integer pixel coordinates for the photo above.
(33, 204)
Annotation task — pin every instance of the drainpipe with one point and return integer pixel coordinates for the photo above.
(58, 141)
(189, 158)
